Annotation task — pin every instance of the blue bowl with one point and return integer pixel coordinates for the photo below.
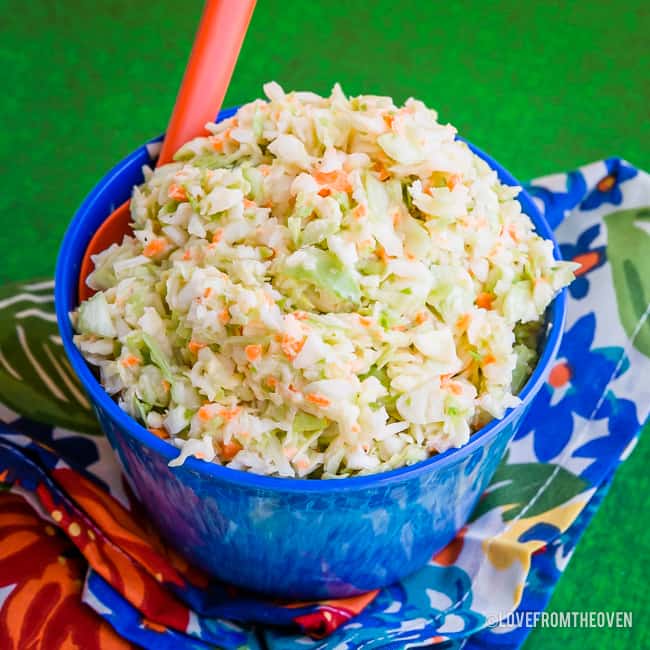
(285, 537)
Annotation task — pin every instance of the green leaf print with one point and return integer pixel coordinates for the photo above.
(516, 485)
(36, 379)
(628, 250)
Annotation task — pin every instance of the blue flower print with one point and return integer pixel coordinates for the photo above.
(576, 384)
(622, 427)
(608, 188)
(589, 259)
(558, 204)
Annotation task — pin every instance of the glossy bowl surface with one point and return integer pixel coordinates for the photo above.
(290, 537)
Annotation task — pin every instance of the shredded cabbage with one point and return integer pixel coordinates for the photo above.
(321, 287)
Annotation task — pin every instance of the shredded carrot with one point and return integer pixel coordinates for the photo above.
(488, 358)
(291, 346)
(463, 322)
(293, 389)
(365, 321)
(265, 170)
(216, 237)
(484, 300)
(130, 361)
(324, 191)
(421, 317)
(187, 255)
(381, 253)
(208, 292)
(160, 433)
(302, 463)
(206, 412)
(383, 174)
(360, 211)
(410, 256)
(300, 315)
(166, 385)
(195, 346)
(455, 388)
(249, 204)
(177, 192)
(355, 428)
(217, 143)
(399, 328)
(397, 217)
(230, 449)
(336, 180)
(230, 414)
(512, 231)
(381, 171)
(253, 352)
(452, 181)
(271, 382)
(155, 247)
(389, 119)
(224, 316)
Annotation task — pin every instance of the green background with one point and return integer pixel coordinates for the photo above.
(541, 86)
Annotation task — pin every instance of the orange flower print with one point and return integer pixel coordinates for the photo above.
(43, 574)
(116, 547)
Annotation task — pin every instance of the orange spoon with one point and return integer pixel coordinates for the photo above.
(209, 69)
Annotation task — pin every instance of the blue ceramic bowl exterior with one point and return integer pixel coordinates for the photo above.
(289, 537)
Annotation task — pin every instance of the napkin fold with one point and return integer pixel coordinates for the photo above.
(80, 563)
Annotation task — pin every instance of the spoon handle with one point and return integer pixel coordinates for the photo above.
(209, 69)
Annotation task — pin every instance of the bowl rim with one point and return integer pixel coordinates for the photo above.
(65, 299)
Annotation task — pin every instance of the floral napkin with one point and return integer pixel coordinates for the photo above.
(80, 564)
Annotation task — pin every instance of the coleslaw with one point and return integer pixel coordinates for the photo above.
(321, 287)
